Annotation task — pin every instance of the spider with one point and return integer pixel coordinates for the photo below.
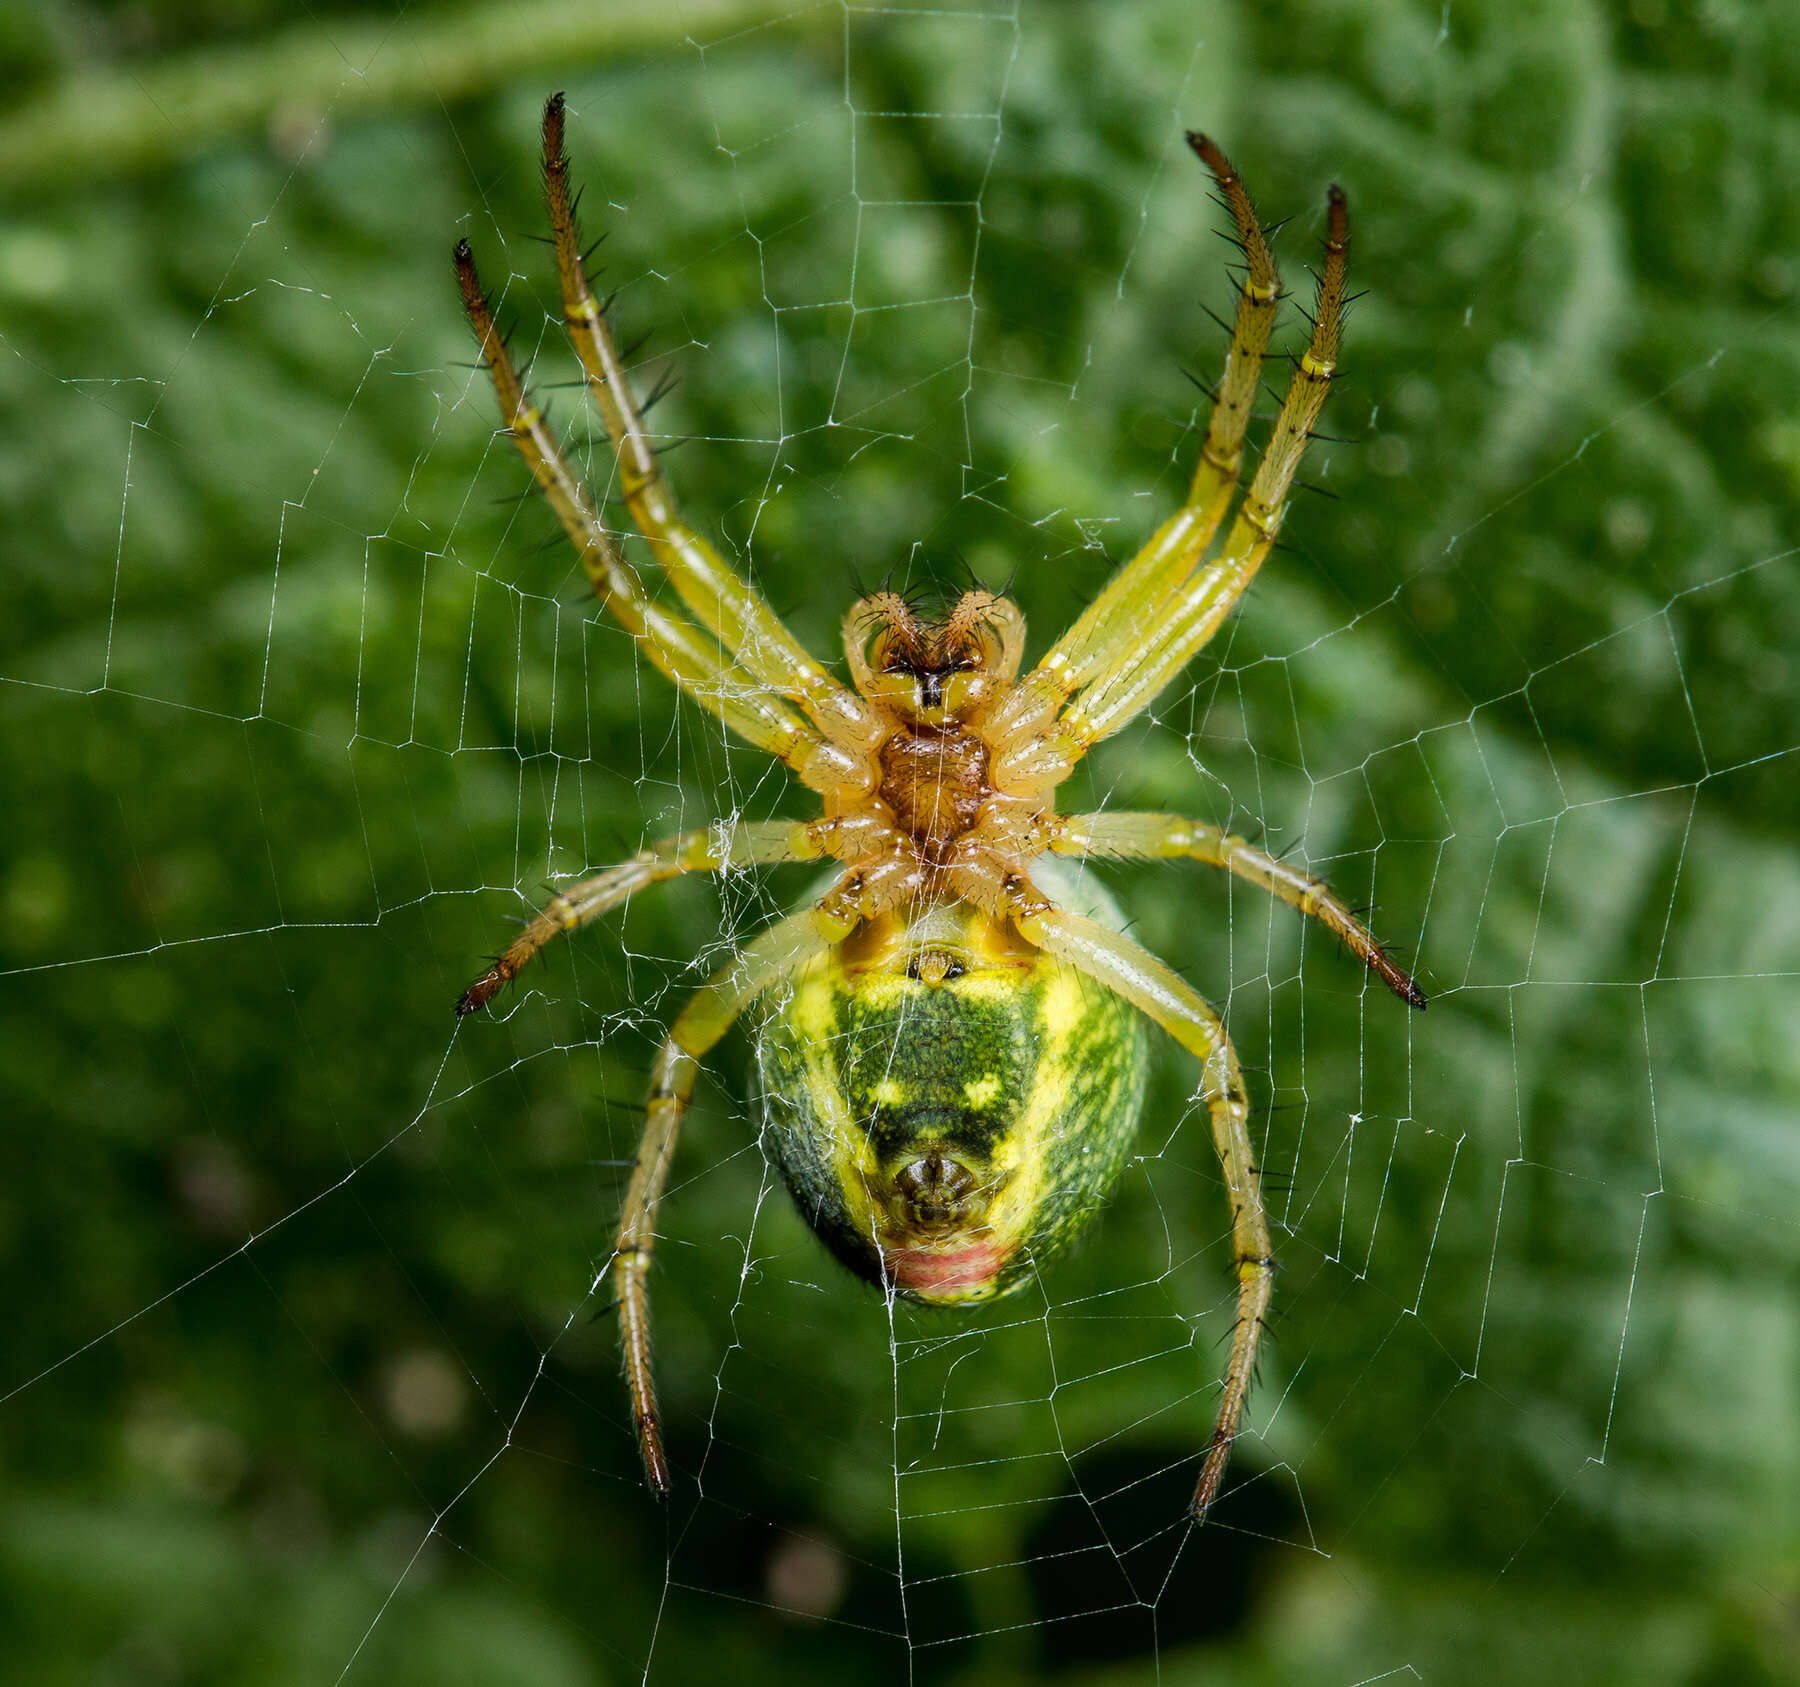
(951, 1052)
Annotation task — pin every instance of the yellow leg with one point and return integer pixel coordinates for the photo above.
(1165, 837)
(1141, 667)
(776, 954)
(710, 851)
(1130, 601)
(1150, 986)
(1222, 453)
(726, 604)
(677, 647)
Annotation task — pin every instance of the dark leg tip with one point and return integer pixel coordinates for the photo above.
(475, 998)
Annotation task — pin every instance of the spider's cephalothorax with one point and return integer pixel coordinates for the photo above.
(952, 1046)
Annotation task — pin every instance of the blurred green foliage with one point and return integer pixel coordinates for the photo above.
(306, 1380)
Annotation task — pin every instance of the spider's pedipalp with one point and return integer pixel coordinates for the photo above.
(932, 670)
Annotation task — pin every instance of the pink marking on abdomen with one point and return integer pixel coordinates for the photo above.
(945, 1272)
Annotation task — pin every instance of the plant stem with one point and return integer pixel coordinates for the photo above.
(117, 119)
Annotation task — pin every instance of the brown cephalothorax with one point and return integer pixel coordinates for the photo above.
(951, 1069)
(934, 784)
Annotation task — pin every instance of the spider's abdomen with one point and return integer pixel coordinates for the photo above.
(949, 1108)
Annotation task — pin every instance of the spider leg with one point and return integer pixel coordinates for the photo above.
(1222, 452)
(1129, 600)
(1150, 986)
(1140, 666)
(780, 951)
(1146, 638)
(709, 851)
(726, 604)
(675, 645)
(1162, 837)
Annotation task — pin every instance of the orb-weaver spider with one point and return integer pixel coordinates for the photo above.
(953, 1070)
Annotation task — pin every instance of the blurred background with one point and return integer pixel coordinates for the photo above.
(307, 1373)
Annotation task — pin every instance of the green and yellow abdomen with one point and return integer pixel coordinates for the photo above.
(947, 1104)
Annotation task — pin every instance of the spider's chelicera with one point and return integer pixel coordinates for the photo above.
(952, 1048)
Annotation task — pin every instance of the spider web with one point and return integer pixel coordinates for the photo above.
(311, 1374)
